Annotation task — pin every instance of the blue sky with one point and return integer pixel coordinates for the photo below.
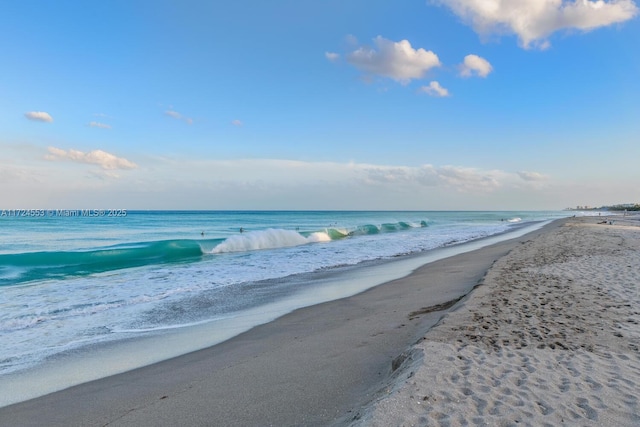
(296, 104)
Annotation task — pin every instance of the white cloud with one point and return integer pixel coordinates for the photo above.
(470, 179)
(456, 178)
(532, 176)
(237, 122)
(351, 40)
(533, 21)
(101, 158)
(331, 56)
(201, 183)
(396, 60)
(39, 116)
(99, 125)
(475, 65)
(179, 116)
(278, 174)
(434, 89)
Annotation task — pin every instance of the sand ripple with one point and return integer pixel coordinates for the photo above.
(552, 337)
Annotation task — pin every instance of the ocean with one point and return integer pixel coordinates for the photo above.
(75, 280)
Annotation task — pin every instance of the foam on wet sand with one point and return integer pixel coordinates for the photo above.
(551, 337)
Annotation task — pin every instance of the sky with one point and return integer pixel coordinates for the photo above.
(334, 104)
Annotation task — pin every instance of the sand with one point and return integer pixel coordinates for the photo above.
(548, 336)
(551, 338)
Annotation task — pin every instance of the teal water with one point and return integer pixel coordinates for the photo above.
(72, 281)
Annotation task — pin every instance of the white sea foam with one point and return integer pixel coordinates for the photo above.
(267, 239)
(318, 237)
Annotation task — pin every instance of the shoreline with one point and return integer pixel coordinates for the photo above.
(312, 366)
(100, 360)
(551, 337)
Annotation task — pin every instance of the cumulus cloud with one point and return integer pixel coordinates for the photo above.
(237, 122)
(532, 176)
(396, 60)
(99, 125)
(39, 116)
(331, 56)
(106, 161)
(434, 89)
(475, 65)
(178, 116)
(533, 21)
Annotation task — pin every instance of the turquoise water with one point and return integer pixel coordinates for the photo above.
(70, 280)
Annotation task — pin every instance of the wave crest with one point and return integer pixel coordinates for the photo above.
(270, 238)
(17, 268)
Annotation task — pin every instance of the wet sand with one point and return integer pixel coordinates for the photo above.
(552, 337)
(319, 365)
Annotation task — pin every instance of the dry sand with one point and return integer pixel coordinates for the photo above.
(551, 338)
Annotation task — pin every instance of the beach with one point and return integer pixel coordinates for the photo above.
(541, 329)
(552, 338)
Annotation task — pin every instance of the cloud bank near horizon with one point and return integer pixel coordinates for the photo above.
(172, 183)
